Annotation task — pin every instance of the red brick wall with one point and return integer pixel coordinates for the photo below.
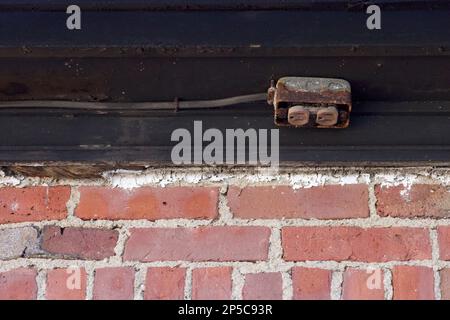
(298, 234)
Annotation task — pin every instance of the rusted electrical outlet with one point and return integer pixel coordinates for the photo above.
(311, 102)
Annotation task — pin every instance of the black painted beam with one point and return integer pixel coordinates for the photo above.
(161, 50)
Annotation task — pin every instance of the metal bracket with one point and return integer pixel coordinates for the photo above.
(311, 102)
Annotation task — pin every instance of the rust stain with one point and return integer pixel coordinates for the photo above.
(327, 102)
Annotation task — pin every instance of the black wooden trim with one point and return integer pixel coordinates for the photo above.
(161, 50)
(380, 133)
(196, 5)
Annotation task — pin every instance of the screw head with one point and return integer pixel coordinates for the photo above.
(327, 116)
(298, 116)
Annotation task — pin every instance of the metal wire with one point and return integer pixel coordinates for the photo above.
(165, 105)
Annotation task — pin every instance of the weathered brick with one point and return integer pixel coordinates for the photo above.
(33, 203)
(18, 284)
(79, 243)
(444, 242)
(165, 283)
(445, 283)
(413, 283)
(263, 286)
(363, 284)
(211, 283)
(198, 244)
(114, 284)
(355, 244)
(147, 203)
(66, 284)
(326, 202)
(418, 200)
(18, 242)
(311, 283)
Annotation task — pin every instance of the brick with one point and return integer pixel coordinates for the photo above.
(363, 284)
(198, 244)
(18, 284)
(326, 202)
(418, 200)
(445, 283)
(18, 242)
(311, 283)
(444, 242)
(355, 244)
(148, 203)
(211, 283)
(66, 284)
(33, 203)
(263, 286)
(79, 243)
(413, 283)
(165, 283)
(114, 284)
